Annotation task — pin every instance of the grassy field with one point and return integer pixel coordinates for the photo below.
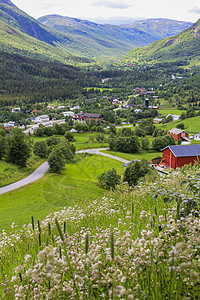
(172, 111)
(192, 125)
(10, 173)
(76, 185)
(146, 155)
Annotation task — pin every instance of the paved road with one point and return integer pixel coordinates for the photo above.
(39, 172)
(97, 151)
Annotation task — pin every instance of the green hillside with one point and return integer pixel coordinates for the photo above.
(64, 37)
(183, 48)
(112, 38)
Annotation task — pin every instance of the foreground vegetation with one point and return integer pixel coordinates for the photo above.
(135, 243)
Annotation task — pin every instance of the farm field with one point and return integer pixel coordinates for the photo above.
(172, 111)
(192, 125)
(148, 155)
(77, 185)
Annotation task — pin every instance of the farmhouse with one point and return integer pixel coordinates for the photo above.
(179, 134)
(178, 156)
(83, 117)
(68, 113)
(157, 120)
(41, 119)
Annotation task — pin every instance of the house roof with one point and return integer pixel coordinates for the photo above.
(183, 151)
(90, 115)
(176, 131)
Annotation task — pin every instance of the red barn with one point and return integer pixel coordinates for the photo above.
(178, 156)
(179, 134)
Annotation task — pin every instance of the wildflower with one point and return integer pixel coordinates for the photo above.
(27, 258)
(42, 255)
(194, 275)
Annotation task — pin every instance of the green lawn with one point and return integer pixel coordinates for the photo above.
(76, 185)
(148, 155)
(172, 111)
(10, 173)
(192, 125)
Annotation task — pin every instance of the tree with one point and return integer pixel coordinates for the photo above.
(17, 149)
(56, 161)
(40, 149)
(109, 180)
(161, 142)
(180, 126)
(129, 144)
(135, 170)
(69, 136)
(2, 146)
(145, 143)
(65, 149)
(100, 137)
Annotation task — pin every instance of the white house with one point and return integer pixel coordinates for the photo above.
(68, 113)
(41, 119)
(16, 109)
(197, 136)
(175, 117)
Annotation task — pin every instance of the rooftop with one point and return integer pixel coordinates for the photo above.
(183, 151)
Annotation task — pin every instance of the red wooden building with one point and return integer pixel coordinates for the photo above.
(179, 134)
(88, 117)
(178, 156)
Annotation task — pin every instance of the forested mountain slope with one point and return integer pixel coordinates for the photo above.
(183, 48)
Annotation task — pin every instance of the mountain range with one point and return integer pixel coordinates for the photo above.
(70, 40)
(183, 48)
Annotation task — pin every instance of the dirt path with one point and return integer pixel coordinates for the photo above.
(40, 171)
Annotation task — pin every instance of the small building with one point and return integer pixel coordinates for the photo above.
(157, 120)
(178, 156)
(83, 117)
(41, 119)
(197, 136)
(179, 134)
(68, 113)
(8, 126)
(16, 109)
(175, 117)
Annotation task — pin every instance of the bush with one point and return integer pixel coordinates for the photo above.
(40, 149)
(56, 161)
(69, 136)
(125, 144)
(180, 126)
(135, 170)
(109, 180)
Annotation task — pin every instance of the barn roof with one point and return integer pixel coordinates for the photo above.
(176, 131)
(183, 151)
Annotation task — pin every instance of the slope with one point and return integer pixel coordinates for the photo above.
(114, 37)
(183, 48)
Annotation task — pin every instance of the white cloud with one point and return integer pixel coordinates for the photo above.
(112, 4)
(195, 10)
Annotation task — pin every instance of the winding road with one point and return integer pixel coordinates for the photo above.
(41, 170)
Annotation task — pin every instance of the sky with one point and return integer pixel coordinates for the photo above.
(113, 11)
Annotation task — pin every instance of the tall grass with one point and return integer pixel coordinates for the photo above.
(136, 243)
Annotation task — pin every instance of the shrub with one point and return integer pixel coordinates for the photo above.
(135, 170)
(40, 149)
(109, 180)
(56, 161)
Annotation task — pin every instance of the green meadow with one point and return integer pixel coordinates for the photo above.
(192, 125)
(148, 155)
(77, 184)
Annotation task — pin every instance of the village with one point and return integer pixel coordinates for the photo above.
(184, 150)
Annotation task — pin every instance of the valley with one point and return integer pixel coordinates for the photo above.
(114, 111)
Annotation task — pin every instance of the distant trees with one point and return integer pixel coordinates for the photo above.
(125, 144)
(17, 149)
(161, 142)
